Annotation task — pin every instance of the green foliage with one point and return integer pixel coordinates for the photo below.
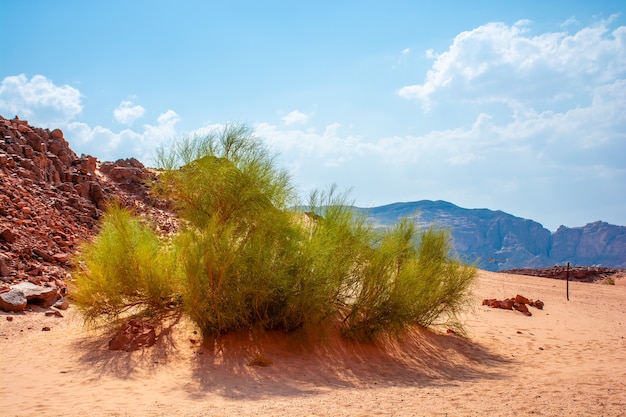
(125, 267)
(245, 258)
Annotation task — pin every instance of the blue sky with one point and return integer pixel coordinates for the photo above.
(513, 106)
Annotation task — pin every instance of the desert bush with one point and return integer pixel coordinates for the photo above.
(240, 250)
(409, 278)
(126, 267)
(247, 256)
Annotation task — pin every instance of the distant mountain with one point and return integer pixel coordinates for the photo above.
(496, 240)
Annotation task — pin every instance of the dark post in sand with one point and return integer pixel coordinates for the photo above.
(567, 276)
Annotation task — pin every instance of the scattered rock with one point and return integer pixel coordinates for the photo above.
(4, 265)
(521, 307)
(36, 294)
(55, 313)
(575, 273)
(9, 318)
(45, 329)
(12, 301)
(518, 303)
(133, 335)
(21, 294)
(62, 304)
(8, 236)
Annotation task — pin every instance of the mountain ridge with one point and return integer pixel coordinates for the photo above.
(496, 240)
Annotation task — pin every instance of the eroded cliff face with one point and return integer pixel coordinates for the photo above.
(51, 199)
(597, 243)
(497, 241)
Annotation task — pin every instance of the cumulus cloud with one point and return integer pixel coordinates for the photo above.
(38, 99)
(46, 104)
(107, 144)
(295, 117)
(507, 63)
(126, 113)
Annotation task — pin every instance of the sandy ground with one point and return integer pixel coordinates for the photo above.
(567, 360)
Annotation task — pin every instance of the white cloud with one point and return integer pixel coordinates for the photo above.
(295, 117)
(126, 113)
(38, 99)
(406, 51)
(506, 63)
(45, 104)
(484, 160)
(571, 21)
(108, 145)
(164, 130)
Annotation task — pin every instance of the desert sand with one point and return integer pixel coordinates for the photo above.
(566, 360)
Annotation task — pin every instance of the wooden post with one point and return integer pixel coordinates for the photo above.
(567, 275)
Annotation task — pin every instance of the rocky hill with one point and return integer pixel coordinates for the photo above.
(51, 199)
(500, 241)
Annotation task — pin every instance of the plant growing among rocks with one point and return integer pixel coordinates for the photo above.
(246, 258)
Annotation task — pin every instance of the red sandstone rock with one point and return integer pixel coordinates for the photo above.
(519, 303)
(50, 199)
(522, 308)
(56, 134)
(8, 236)
(44, 296)
(133, 335)
(4, 265)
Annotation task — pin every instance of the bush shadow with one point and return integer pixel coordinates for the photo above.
(307, 364)
(96, 355)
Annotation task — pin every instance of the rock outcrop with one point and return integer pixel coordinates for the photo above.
(596, 244)
(51, 199)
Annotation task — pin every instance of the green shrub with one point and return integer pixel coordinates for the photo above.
(126, 267)
(246, 258)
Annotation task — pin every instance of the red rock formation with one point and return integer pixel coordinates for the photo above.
(51, 199)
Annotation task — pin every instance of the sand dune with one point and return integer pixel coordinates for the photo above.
(568, 359)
